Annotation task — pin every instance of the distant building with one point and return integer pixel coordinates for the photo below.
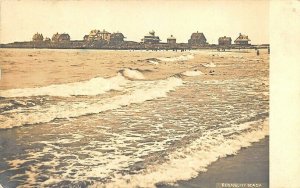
(86, 37)
(171, 40)
(105, 35)
(37, 37)
(47, 39)
(224, 41)
(242, 40)
(96, 35)
(151, 38)
(116, 38)
(61, 37)
(197, 39)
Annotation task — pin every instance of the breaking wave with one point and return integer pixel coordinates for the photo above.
(187, 162)
(137, 93)
(210, 65)
(132, 74)
(94, 86)
(192, 73)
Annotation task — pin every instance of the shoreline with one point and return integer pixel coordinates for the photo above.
(250, 165)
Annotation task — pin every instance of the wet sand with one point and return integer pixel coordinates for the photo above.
(250, 165)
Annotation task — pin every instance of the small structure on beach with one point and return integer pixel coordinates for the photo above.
(197, 39)
(171, 40)
(38, 37)
(224, 41)
(96, 35)
(64, 37)
(242, 40)
(116, 38)
(151, 38)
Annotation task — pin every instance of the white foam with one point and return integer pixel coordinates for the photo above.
(192, 73)
(94, 86)
(210, 65)
(187, 162)
(178, 58)
(133, 74)
(153, 62)
(142, 91)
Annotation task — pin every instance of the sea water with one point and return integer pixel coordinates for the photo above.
(130, 129)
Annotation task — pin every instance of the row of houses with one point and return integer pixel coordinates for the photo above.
(38, 37)
(94, 35)
(196, 39)
(241, 40)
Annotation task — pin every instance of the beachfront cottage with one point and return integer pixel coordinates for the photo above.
(151, 38)
(37, 37)
(197, 39)
(105, 35)
(242, 40)
(117, 38)
(224, 41)
(61, 37)
(171, 40)
(86, 37)
(96, 35)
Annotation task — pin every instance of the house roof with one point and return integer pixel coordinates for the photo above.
(96, 31)
(242, 38)
(117, 35)
(150, 34)
(104, 31)
(224, 38)
(171, 38)
(198, 36)
(57, 36)
(37, 35)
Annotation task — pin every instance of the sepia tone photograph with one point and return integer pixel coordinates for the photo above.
(152, 94)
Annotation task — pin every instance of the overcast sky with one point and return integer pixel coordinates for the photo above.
(21, 19)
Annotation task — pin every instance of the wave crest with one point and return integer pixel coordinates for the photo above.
(94, 86)
(192, 73)
(132, 74)
(139, 92)
(178, 58)
(209, 65)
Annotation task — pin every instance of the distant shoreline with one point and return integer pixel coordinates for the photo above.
(126, 45)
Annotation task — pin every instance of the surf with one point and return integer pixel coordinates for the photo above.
(185, 57)
(137, 92)
(94, 86)
(185, 163)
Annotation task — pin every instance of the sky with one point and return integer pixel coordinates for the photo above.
(19, 20)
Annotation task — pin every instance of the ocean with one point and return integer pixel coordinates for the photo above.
(103, 118)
